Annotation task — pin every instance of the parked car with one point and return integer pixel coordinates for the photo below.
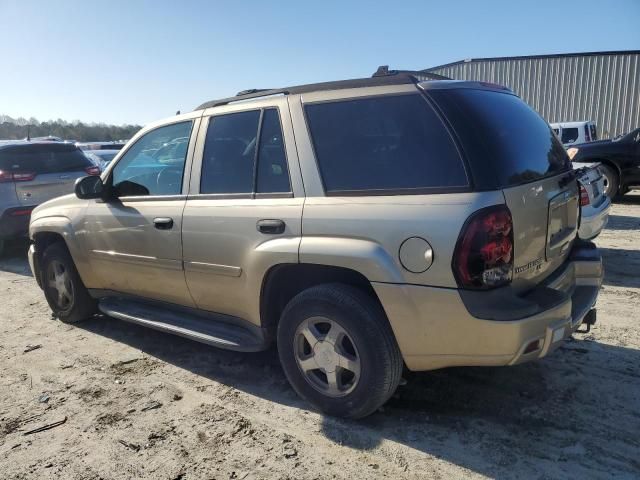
(575, 132)
(363, 225)
(100, 145)
(48, 138)
(32, 173)
(619, 159)
(594, 203)
(101, 158)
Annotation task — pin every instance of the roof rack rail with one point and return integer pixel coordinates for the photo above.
(420, 75)
(252, 90)
(394, 77)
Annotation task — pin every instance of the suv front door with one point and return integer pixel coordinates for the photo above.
(133, 240)
(244, 210)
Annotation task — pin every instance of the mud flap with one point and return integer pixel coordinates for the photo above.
(588, 320)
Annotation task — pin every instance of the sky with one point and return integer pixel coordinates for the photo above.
(136, 61)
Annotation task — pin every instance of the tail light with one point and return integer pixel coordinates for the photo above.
(483, 257)
(584, 196)
(92, 170)
(16, 176)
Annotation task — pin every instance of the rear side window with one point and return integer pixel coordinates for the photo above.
(234, 143)
(594, 132)
(41, 159)
(569, 135)
(229, 153)
(505, 141)
(273, 174)
(383, 145)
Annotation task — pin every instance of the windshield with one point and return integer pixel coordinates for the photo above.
(505, 141)
(632, 136)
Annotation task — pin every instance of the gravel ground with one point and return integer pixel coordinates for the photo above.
(143, 404)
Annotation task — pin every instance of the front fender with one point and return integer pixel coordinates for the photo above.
(62, 226)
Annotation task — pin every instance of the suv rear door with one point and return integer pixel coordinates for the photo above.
(244, 210)
(47, 170)
(510, 147)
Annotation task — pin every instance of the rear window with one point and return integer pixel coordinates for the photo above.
(505, 141)
(569, 135)
(40, 159)
(384, 145)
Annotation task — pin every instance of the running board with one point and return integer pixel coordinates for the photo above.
(204, 327)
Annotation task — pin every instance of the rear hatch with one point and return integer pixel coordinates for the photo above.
(42, 171)
(509, 147)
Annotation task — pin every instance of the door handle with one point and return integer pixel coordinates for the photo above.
(163, 223)
(270, 226)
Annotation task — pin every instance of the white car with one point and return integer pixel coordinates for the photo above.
(575, 132)
(594, 204)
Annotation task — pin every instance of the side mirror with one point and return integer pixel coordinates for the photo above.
(89, 187)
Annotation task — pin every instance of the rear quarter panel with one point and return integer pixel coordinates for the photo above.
(365, 233)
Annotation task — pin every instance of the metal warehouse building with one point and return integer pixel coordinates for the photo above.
(600, 86)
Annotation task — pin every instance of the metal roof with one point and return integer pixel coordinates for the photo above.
(532, 57)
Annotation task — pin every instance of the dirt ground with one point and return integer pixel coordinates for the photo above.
(143, 404)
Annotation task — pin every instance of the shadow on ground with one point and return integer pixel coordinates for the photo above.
(621, 267)
(621, 222)
(13, 257)
(484, 419)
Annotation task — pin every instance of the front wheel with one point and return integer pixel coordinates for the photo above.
(65, 293)
(338, 350)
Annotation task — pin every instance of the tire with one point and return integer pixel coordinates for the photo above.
(59, 273)
(348, 328)
(611, 181)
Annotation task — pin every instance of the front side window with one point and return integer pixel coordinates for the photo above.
(232, 147)
(382, 144)
(154, 165)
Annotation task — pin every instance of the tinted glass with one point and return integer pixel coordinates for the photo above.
(155, 162)
(43, 158)
(505, 141)
(273, 174)
(229, 153)
(569, 135)
(383, 144)
(594, 132)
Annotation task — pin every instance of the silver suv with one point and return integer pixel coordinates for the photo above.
(363, 226)
(32, 173)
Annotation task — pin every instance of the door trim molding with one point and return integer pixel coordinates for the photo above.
(202, 267)
(143, 260)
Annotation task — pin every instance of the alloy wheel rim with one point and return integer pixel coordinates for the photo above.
(60, 285)
(327, 356)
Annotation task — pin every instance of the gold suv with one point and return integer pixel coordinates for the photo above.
(363, 226)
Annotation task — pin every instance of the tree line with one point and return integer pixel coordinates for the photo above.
(19, 128)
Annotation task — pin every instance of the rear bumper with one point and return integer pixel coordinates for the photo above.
(14, 222)
(440, 327)
(594, 219)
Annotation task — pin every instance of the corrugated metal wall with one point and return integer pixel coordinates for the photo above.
(604, 88)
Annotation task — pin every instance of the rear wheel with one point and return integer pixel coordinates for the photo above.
(338, 350)
(65, 293)
(611, 181)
